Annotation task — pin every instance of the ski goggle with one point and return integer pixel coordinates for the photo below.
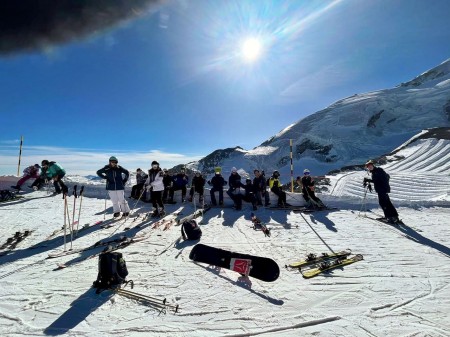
(306, 173)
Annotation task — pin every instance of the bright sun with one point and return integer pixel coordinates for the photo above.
(251, 49)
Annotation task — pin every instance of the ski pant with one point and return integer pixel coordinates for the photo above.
(25, 178)
(213, 196)
(157, 200)
(59, 184)
(136, 190)
(309, 195)
(259, 195)
(199, 190)
(281, 196)
(118, 200)
(177, 188)
(387, 206)
(247, 198)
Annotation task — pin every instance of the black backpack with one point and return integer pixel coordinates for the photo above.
(112, 270)
(190, 230)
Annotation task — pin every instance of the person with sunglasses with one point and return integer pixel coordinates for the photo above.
(116, 177)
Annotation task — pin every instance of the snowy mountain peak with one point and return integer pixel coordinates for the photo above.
(435, 75)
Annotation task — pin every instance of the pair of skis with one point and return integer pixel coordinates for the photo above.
(13, 241)
(258, 224)
(314, 265)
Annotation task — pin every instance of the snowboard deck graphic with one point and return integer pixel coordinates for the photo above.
(262, 268)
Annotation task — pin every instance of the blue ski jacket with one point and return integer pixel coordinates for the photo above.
(116, 177)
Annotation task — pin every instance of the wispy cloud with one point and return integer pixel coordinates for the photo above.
(83, 162)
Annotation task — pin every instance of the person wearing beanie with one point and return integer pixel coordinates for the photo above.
(137, 190)
(312, 201)
(179, 183)
(217, 182)
(380, 180)
(155, 187)
(55, 172)
(116, 177)
(29, 173)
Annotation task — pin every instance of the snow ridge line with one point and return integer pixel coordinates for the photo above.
(295, 326)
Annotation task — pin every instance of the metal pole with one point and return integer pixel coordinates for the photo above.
(292, 168)
(20, 155)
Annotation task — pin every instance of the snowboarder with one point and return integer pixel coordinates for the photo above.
(55, 172)
(198, 185)
(217, 182)
(136, 190)
(29, 173)
(275, 187)
(179, 183)
(380, 180)
(308, 191)
(155, 186)
(116, 176)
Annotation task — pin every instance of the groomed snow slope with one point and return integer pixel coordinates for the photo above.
(400, 289)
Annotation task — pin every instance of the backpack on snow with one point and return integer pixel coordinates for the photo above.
(190, 230)
(112, 270)
(6, 195)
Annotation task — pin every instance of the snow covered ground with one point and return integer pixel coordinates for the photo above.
(401, 288)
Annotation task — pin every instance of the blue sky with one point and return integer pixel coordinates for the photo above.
(173, 85)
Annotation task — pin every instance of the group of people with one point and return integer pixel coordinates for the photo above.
(158, 186)
(48, 171)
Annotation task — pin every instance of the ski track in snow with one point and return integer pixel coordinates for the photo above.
(401, 288)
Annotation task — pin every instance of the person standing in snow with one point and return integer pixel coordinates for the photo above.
(116, 176)
(154, 184)
(29, 173)
(55, 172)
(380, 180)
(308, 191)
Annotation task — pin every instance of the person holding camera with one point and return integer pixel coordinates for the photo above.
(380, 180)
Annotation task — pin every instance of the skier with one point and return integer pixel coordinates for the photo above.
(55, 172)
(116, 176)
(259, 188)
(30, 172)
(190, 230)
(234, 183)
(198, 185)
(136, 190)
(380, 180)
(275, 187)
(179, 183)
(217, 182)
(308, 191)
(154, 184)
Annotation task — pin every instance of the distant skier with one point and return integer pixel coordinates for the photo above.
(55, 172)
(217, 182)
(275, 187)
(29, 173)
(154, 184)
(312, 201)
(380, 180)
(116, 176)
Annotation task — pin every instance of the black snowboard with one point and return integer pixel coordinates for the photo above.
(261, 268)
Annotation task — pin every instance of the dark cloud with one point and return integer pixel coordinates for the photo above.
(27, 25)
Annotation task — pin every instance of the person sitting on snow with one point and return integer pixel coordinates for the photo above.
(308, 191)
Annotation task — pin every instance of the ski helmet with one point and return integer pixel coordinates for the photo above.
(276, 173)
(306, 171)
(112, 158)
(233, 169)
(369, 162)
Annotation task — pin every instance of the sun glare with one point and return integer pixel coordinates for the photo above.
(251, 49)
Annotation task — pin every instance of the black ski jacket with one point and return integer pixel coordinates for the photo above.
(114, 179)
(380, 180)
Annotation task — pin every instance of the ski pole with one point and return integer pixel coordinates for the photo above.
(65, 221)
(135, 204)
(73, 214)
(104, 213)
(79, 208)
